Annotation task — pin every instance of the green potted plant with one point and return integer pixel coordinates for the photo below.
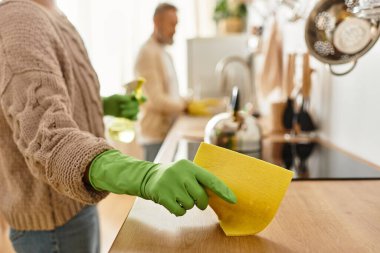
(230, 16)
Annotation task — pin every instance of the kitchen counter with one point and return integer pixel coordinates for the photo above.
(315, 216)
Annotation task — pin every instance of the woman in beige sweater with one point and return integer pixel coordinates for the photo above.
(50, 127)
(54, 162)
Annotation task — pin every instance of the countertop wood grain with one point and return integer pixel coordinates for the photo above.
(315, 216)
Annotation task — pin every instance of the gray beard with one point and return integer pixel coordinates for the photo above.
(165, 41)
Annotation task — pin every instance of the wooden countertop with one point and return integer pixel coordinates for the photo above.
(315, 216)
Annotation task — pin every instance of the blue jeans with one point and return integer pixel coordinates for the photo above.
(78, 235)
(151, 151)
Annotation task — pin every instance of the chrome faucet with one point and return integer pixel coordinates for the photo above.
(250, 97)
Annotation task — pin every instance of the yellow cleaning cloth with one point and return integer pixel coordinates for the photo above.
(205, 107)
(259, 187)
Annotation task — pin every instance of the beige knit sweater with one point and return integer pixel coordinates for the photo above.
(50, 118)
(164, 103)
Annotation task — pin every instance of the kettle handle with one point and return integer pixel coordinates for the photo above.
(235, 99)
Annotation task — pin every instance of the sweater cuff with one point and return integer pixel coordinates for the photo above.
(69, 162)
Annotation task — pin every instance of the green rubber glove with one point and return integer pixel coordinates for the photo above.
(121, 106)
(177, 186)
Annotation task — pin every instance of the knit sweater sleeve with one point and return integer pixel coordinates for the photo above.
(36, 103)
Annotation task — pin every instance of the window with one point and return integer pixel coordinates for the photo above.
(114, 30)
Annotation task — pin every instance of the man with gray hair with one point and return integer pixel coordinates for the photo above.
(156, 66)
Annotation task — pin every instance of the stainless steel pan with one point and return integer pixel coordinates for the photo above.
(336, 36)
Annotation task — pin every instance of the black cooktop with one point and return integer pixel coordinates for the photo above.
(309, 161)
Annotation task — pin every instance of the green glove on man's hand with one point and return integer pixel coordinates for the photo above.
(177, 186)
(122, 106)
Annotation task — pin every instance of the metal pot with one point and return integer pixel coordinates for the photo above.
(335, 36)
(236, 130)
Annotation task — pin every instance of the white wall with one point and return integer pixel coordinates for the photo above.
(349, 107)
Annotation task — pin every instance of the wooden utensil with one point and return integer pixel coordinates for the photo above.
(288, 116)
(304, 119)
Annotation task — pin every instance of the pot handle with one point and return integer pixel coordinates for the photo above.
(235, 99)
(343, 73)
